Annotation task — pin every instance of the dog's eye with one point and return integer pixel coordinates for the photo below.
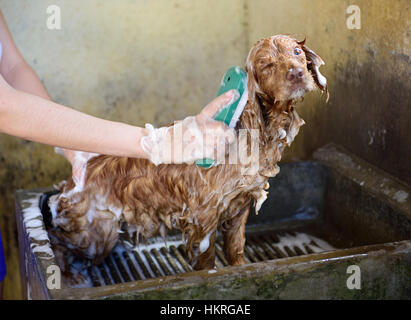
(297, 51)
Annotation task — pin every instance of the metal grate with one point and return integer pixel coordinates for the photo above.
(156, 259)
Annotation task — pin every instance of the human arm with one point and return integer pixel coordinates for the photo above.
(27, 112)
(24, 114)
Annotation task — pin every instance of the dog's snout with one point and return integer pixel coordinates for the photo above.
(295, 74)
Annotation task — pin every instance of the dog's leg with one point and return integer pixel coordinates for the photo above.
(206, 257)
(234, 237)
(201, 238)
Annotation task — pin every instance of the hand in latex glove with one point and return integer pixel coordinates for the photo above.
(78, 160)
(193, 138)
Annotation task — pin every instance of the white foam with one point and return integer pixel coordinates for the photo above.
(301, 239)
(261, 199)
(297, 94)
(281, 133)
(400, 196)
(205, 243)
(33, 221)
(321, 79)
(241, 105)
(157, 243)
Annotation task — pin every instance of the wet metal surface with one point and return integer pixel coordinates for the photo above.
(132, 265)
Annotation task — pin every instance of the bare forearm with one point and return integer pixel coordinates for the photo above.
(23, 78)
(27, 112)
(36, 119)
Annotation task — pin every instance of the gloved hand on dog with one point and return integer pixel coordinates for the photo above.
(191, 139)
(194, 138)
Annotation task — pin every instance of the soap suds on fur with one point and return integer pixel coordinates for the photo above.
(205, 243)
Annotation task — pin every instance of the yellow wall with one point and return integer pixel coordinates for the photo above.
(155, 61)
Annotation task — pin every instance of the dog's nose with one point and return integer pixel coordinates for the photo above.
(295, 74)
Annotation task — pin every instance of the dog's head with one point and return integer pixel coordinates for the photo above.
(282, 69)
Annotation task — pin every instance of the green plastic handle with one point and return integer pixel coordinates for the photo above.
(234, 78)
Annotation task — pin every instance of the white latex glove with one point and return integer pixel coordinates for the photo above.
(193, 138)
(78, 160)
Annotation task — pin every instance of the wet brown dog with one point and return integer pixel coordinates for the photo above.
(144, 199)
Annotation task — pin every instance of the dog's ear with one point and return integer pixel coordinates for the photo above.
(253, 87)
(253, 110)
(314, 62)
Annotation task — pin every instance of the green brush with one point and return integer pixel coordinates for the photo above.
(234, 78)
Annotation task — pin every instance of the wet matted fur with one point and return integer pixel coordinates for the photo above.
(144, 200)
